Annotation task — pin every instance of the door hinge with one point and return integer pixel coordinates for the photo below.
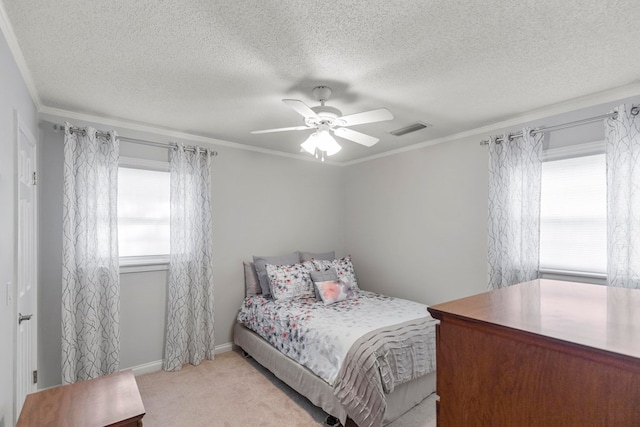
(35, 178)
(35, 377)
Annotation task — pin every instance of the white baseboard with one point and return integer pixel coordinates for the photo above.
(147, 368)
(223, 348)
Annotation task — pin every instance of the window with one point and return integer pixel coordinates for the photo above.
(573, 215)
(143, 212)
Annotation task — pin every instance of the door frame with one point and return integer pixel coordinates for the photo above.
(20, 127)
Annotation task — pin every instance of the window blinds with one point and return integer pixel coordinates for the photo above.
(573, 221)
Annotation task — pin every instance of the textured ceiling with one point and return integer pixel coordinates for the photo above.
(220, 68)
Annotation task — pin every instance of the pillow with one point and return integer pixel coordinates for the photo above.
(332, 291)
(261, 262)
(308, 256)
(320, 276)
(251, 283)
(289, 282)
(343, 266)
(324, 275)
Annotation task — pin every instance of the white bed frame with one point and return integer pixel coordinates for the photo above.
(318, 391)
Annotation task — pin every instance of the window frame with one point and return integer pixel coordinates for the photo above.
(569, 152)
(138, 264)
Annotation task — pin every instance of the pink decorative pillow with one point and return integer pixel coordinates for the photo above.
(332, 291)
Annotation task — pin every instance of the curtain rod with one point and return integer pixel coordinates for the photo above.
(634, 110)
(75, 129)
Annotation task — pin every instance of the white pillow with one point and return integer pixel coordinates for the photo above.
(289, 282)
(344, 268)
(260, 262)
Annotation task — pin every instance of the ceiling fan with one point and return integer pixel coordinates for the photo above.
(326, 120)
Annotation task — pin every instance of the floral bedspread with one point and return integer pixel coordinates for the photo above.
(319, 336)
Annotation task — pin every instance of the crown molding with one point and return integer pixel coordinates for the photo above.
(18, 57)
(604, 97)
(50, 113)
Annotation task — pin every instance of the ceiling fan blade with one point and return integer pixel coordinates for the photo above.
(301, 108)
(281, 129)
(378, 115)
(354, 136)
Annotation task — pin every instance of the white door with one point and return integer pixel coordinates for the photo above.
(26, 264)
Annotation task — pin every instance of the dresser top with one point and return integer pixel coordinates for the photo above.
(110, 400)
(600, 317)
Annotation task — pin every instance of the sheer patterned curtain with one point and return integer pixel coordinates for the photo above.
(189, 334)
(90, 266)
(515, 174)
(622, 137)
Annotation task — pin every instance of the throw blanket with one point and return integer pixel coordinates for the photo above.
(378, 362)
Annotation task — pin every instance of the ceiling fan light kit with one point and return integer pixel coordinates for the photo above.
(325, 120)
(321, 143)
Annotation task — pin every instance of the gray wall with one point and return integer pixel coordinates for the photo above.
(416, 221)
(263, 204)
(14, 96)
(50, 258)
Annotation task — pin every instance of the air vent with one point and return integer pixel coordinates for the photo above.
(413, 127)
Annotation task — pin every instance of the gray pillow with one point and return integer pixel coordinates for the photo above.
(251, 283)
(308, 256)
(323, 276)
(261, 267)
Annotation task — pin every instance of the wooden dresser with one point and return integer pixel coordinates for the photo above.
(112, 400)
(542, 353)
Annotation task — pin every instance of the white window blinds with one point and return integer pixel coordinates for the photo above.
(143, 212)
(573, 222)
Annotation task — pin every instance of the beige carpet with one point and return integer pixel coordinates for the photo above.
(236, 391)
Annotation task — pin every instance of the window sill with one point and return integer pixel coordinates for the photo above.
(140, 264)
(574, 276)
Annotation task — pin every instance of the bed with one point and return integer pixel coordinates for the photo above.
(364, 356)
